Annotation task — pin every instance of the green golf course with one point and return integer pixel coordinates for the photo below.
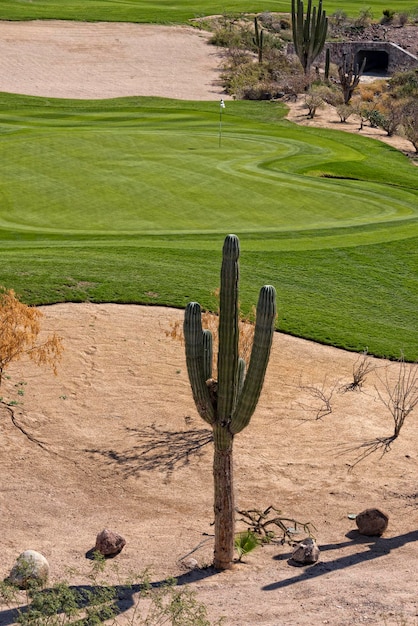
(129, 200)
(166, 12)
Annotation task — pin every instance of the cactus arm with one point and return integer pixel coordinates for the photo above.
(258, 40)
(194, 344)
(327, 64)
(322, 29)
(228, 329)
(263, 337)
(307, 27)
(207, 354)
(310, 39)
(241, 376)
(297, 26)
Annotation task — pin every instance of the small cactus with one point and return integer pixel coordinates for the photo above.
(258, 40)
(350, 74)
(227, 403)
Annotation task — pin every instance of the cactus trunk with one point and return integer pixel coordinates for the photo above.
(228, 403)
(224, 508)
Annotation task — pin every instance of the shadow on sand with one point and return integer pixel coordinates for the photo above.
(378, 547)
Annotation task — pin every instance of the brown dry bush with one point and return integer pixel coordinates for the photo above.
(20, 326)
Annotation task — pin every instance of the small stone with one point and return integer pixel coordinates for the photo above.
(306, 552)
(30, 567)
(190, 563)
(109, 543)
(372, 522)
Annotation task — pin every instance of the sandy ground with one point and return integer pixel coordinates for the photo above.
(107, 60)
(114, 440)
(112, 447)
(327, 117)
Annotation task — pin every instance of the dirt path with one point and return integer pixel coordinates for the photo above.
(118, 426)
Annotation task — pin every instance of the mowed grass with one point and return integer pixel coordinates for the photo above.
(165, 11)
(129, 200)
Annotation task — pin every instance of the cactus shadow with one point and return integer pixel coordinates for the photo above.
(152, 448)
(378, 547)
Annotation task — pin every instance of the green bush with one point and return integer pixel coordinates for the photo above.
(94, 603)
(388, 16)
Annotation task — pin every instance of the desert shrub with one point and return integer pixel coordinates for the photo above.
(403, 19)
(313, 101)
(241, 75)
(404, 84)
(409, 121)
(388, 16)
(276, 76)
(330, 94)
(232, 36)
(338, 18)
(375, 118)
(364, 18)
(390, 111)
(370, 91)
(97, 602)
(344, 112)
(20, 326)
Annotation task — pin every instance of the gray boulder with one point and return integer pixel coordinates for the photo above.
(31, 567)
(306, 552)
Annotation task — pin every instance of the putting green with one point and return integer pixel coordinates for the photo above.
(115, 176)
(129, 201)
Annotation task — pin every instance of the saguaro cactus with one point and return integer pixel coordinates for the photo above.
(349, 74)
(309, 33)
(227, 403)
(258, 40)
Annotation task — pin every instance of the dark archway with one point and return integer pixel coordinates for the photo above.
(377, 61)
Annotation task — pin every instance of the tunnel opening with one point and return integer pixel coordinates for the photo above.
(377, 61)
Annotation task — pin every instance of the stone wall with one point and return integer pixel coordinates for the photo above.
(382, 57)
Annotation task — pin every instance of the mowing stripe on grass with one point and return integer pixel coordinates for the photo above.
(165, 11)
(129, 201)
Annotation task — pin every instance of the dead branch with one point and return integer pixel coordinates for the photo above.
(400, 397)
(24, 432)
(260, 522)
(362, 366)
(323, 395)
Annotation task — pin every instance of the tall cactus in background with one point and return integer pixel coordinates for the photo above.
(228, 403)
(258, 40)
(309, 33)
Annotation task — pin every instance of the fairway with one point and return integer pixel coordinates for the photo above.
(128, 200)
(164, 11)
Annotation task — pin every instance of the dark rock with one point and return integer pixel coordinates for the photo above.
(372, 522)
(109, 543)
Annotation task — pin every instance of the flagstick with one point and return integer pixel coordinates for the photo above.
(221, 107)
